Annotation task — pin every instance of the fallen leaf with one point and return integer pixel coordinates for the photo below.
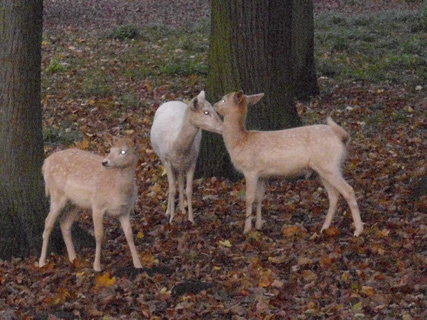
(292, 231)
(325, 261)
(369, 291)
(225, 243)
(104, 280)
(309, 275)
(332, 231)
(83, 145)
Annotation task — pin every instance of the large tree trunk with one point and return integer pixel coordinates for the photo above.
(22, 201)
(305, 80)
(258, 46)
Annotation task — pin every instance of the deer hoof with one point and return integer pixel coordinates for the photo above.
(358, 231)
(258, 224)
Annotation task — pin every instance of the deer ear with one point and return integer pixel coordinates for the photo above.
(194, 104)
(114, 140)
(254, 98)
(133, 138)
(109, 139)
(202, 95)
(238, 97)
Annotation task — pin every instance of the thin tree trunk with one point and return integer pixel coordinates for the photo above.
(22, 201)
(253, 47)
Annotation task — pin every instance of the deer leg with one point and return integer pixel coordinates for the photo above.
(127, 229)
(57, 203)
(251, 186)
(172, 191)
(66, 223)
(98, 217)
(260, 191)
(181, 191)
(335, 178)
(189, 191)
(333, 196)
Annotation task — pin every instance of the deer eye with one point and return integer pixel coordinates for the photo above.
(122, 152)
(223, 100)
(206, 112)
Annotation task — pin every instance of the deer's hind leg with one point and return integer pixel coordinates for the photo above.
(66, 224)
(57, 203)
(333, 196)
(260, 191)
(334, 177)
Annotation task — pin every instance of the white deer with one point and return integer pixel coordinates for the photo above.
(175, 137)
(89, 181)
(263, 154)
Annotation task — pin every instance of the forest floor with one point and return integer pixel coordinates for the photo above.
(106, 69)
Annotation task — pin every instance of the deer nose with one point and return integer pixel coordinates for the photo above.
(105, 163)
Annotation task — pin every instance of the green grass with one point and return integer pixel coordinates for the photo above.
(97, 84)
(125, 32)
(385, 47)
(388, 47)
(55, 65)
(57, 136)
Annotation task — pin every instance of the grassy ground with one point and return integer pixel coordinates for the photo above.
(372, 72)
(382, 47)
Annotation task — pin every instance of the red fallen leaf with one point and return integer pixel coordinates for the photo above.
(293, 231)
(379, 276)
(332, 231)
(325, 261)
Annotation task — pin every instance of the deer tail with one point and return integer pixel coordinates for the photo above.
(338, 130)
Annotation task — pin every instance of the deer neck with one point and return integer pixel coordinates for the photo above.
(125, 176)
(234, 130)
(185, 138)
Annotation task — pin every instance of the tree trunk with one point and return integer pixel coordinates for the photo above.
(305, 80)
(22, 201)
(258, 46)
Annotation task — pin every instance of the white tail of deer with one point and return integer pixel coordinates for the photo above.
(89, 181)
(262, 154)
(175, 137)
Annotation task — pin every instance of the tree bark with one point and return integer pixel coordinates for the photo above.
(305, 79)
(23, 205)
(258, 46)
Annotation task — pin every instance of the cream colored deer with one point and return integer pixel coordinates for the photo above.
(89, 181)
(175, 137)
(263, 154)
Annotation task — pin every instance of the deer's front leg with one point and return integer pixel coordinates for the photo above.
(98, 217)
(251, 185)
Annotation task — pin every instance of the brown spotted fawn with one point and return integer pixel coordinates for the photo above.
(175, 137)
(89, 181)
(290, 152)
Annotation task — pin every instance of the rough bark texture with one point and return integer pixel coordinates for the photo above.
(258, 46)
(22, 201)
(305, 80)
